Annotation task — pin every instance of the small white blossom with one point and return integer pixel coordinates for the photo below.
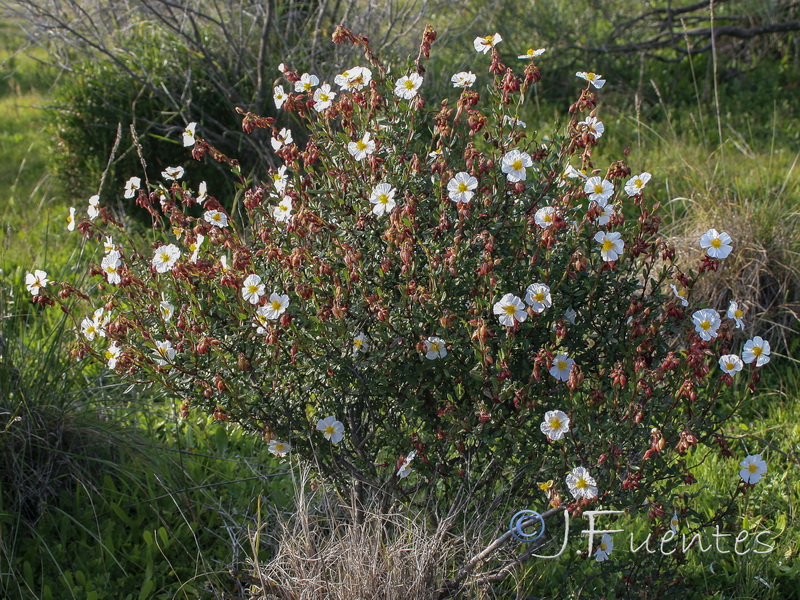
(405, 469)
(544, 216)
(165, 258)
(461, 187)
(307, 81)
(215, 217)
(131, 187)
(279, 95)
(706, 322)
(599, 190)
(636, 184)
(555, 424)
(514, 164)
(435, 347)
(717, 245)
(283, 212)
(279, 448)
(406, 87)
(537, 296)
(283, 138)
(562, 367)
(110, 266)
(757, 350)
(276, 306)
(71, 219)
(94, 207)
(172, 173)
(189, 134)
(593, 78)
(581, 484)
(593, 126)
(164, 353)
(382, 199)
(531, 53)
(323, 97)
(332, 429)
(753, 467)
(510, 310)
(252, 289)
(362, 148)
(611, 245)
(486, 43)
(730, 364)
(736, 313)
(463, 79)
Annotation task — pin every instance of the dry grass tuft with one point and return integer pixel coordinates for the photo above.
(334, 550)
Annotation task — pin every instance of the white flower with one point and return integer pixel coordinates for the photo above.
(463, 79)
(736, 313)
(674, 523)
(131, 186)
(555, 424)
(537, 296)
(307, 81)
(514, 122)
(323, 97)
(753, 467)
(611, 245)
(360, 344)
(110, 265)
(406, 87)
(356, 78)
(362, 148)
(223, 262)
(756, 349)
(594, 78)
(284, 138)
(730, 364)
(405, 469)
(570, 315)
(279, 448)
(581, 484)
(718, 245)
(34, 281)
(679, 294)
(636, 184)
(605, 548)
(460, 188)
(172, 173)
(435, 347)
(167, 310)
(280, 179)
(202, 192)
(382, 198)
(276, 306)
(93, 210)
(283, 211)
(706, 323)
(108, 244)
(599, 190)
(89, 328)
(593, 126)
(194, 247)
(216, 217)
(544, 216)
(484, 44)
(261, 320)
(514, 164)
(572, 173)
(561, 367)
(164, 353)
(608, 212)
(166, 257)
(510, 309)
(531, 53)
(279, 96)
(188, 134)
(112, 354)
(332, 429)
(71, 219)
(252, 289)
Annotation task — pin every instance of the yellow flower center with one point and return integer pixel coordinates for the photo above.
(217, 217)
(548, 218)
(752, 468)
(757, 351)
(488, 40)
(108, 354)
(529, 52)
(510, 309)
(324, 97)
(164, 257)
(517, 166)
(561, 365)
(603, 546)
(462, 187)
(358, 343)
(539, 297)
(69, 218)
(383, 199)
(109, 269)
(730, 366)
(434, 347)
(409, 84)
(361, 145)
(608, 245)
(555, 423)
(253, 289)
(90, 329)
(276, 305)
(598, 189)
(192, 247)
(581, 484)
(307, 85)
(546, 486)
(329, 430)
(738, 313)
(716, 242)
(591, 76)
(681, 293)
(279, 447)
(705, 325)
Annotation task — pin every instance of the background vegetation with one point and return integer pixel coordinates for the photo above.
(105, 489)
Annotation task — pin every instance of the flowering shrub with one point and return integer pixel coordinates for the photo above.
(429, 299)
